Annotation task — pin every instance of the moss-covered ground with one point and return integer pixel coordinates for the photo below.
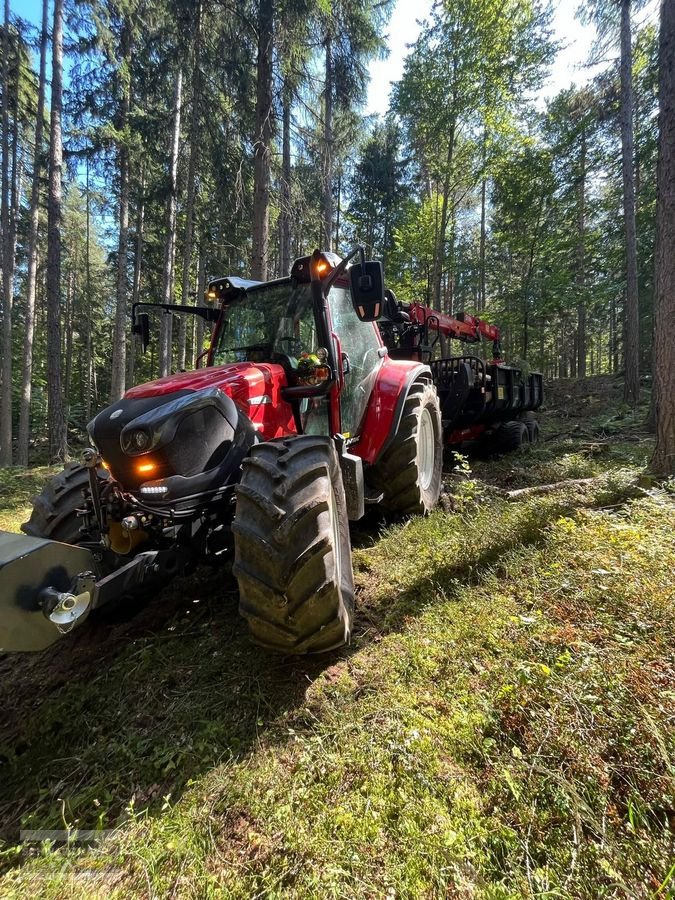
(503, 724)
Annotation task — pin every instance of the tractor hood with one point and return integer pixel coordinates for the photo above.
(254, 387)
(244, 382)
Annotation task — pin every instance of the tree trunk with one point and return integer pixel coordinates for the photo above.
(632, 321)
(481, 289)
(663, 461)
(138, 267)
(170, 239)
(327, 200)
(191, 186)
(68, 335)
(439, 251)
(58, 441)
(31, 280)
(7, 264)
(88, 343)
(201, 288)
(262, 142)
(119, 351)
(581, 260)
(285, 199)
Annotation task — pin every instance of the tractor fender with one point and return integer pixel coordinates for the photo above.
(385, 407)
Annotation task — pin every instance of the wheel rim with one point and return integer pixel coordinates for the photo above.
(337, 542)
(426, 445)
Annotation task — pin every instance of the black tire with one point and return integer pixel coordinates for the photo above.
(514, 436)
(292, 552)
(54, 512)
(410, 482)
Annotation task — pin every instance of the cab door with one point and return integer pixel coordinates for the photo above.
(363, 353)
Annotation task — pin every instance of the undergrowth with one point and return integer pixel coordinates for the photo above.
(502, 725)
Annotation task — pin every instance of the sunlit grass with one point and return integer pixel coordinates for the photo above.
(500, 727)
(17, 486)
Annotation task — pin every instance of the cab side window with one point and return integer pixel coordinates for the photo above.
(361, 343)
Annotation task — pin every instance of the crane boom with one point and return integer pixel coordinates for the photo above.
(467, 328)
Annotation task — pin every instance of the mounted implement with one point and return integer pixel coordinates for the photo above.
(301, 418)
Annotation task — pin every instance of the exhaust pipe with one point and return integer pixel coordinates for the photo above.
(46, 589)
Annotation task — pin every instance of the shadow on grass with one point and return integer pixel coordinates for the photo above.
(118, 717)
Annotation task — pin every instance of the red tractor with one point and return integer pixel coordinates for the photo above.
(300, 419)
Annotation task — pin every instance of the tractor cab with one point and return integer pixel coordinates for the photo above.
(320, 356)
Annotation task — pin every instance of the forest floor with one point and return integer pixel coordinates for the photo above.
(502, 725)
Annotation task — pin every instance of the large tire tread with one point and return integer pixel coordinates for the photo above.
(514, 436)
(291, 594)
(54, 513)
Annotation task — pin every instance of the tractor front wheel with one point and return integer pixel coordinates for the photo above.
(292, 553)
(410, 471)
(55, 509)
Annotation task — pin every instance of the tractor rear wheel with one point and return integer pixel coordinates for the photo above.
(54, 514)
(410, 471)
(292, 553)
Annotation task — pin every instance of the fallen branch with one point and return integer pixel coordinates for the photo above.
(547, 488)
(574, 432)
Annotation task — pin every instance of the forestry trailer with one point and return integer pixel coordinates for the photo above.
(305, 413)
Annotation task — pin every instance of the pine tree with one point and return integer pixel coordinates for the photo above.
(58, 442)
(663, 461)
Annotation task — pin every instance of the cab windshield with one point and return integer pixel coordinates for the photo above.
(275, 320)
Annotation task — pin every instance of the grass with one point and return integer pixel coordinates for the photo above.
(17, 486)
(502, 725)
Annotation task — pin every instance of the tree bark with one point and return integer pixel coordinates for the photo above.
(87, 323)
(632, 323)
(120, 329)
(262, 142)
(481, 288)
(285, 199)
(7, 264)
(191, 185)
(138, 267)
(120, 326)
(439, 251)
(170, 240)
(327, 200)
(58, 442)
(68, 334)
(201, 287)
(663, 460)
(31, 280)
(581, 260)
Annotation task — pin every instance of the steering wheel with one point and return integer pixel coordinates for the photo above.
(295, 345)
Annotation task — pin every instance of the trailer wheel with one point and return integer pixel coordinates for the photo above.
(533, 430)
(410, 471)
(514, 436)
(54, 512)
(292, 553)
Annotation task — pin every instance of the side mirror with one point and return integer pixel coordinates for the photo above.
(367, 284)
(141, 327)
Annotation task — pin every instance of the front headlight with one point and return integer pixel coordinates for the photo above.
(136, 440)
